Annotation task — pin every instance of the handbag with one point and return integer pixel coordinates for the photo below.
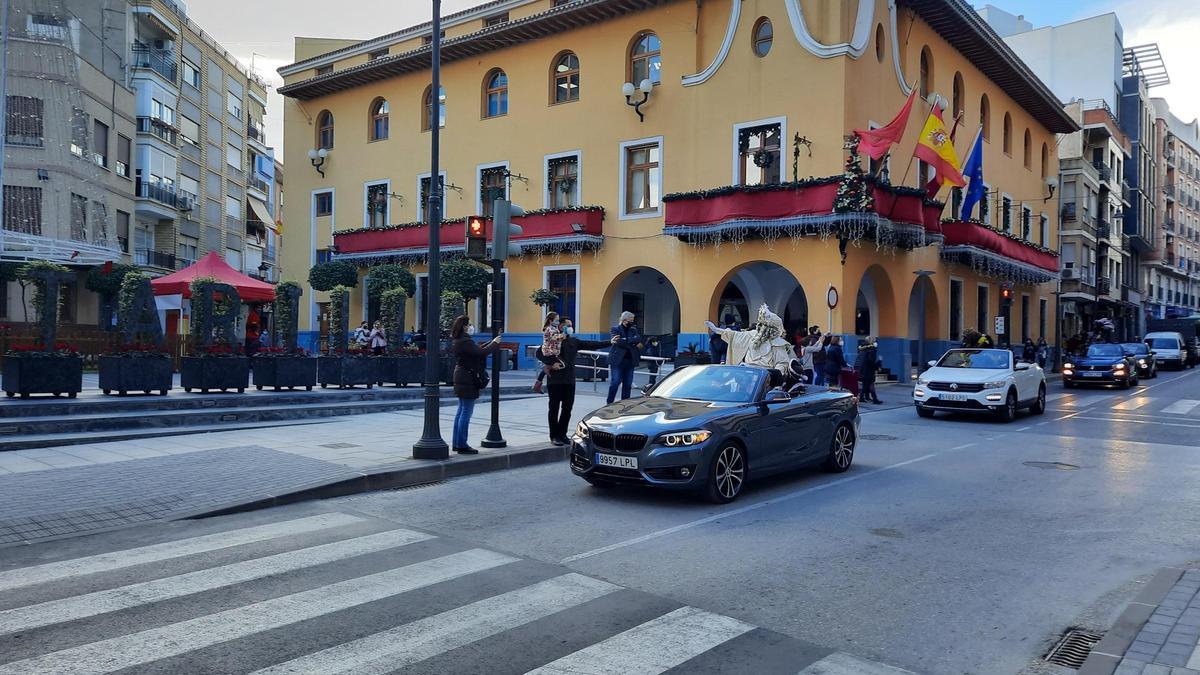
(481, 377)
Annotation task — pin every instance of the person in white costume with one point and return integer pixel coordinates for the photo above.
(764, 346)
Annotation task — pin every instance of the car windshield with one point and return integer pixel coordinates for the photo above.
(1106, 350)
(1136, 348)
(725, 384)
(1164, 343)
(986, 359)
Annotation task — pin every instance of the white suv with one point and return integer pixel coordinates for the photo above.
(980, 381)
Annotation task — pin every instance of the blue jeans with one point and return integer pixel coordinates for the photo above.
(620, 376)
(820, 377)
(462, 421)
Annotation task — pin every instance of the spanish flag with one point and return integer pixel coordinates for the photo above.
(936, 147)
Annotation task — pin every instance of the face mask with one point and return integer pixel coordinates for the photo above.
(470, 330)
(554, 323)
(569, 331)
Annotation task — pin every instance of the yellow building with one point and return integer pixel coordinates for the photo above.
(698, 213)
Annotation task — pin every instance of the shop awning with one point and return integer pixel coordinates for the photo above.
(212, 265)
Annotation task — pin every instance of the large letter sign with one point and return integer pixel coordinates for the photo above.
(218, 317)
(139, 314)
(288, 295)
(50, 281)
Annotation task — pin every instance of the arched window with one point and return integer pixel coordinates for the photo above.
(427, 108)
(495, 93)
(325, 130)
(985, 117)
(645, 58)
(762, 37)
(1045, 161)
(1027, 150)
(378, 129)
(1007, 134)
(879, 45)
(926, 72)
(960, 96)
(565, 78)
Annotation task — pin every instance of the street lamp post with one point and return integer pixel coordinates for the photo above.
(432, 445)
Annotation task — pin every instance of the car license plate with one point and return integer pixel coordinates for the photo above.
(618, 461)
(953, 397)
(1092, 374)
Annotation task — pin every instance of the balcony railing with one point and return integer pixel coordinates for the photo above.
(256, 131)
(158, 60)
(158, 127)
(1103, 169)
(259, 184)
(161, 193)
(1103, 228)
(154, 259)
(1068, 212)
(1170, 192)
(269, 253)
(1169, 224)
(1103, 285)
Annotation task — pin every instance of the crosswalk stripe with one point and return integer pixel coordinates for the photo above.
(172, 640)
(1181, 407)
(1133, 403)
(651, 648)
(102, 602)
(840, 663)
(1055, 397)
(414, 642)
(104, 562)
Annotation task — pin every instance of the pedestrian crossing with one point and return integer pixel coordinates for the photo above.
(1130, 403)
(343, 593)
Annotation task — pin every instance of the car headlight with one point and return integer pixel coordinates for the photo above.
(923, 381)
(1069, 365)
(1141, 362)
(682, 438)
(998, 384)
(583, 430)
(1119, 366)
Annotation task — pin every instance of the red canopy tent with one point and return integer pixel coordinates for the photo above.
(211, 265)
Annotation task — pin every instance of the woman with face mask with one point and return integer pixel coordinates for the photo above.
(469, 371)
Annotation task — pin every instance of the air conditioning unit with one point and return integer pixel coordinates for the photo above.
(1068, 273)
(161, 44)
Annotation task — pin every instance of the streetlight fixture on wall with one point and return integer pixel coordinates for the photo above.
(1051, 186)
(317, 157)
(645, 87)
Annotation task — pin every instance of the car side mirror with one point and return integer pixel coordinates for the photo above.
(1153, 353)
(646, 388)
(777, 396)
(1021, 365)
(932, 364)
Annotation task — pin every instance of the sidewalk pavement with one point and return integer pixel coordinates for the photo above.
(1157, 634)
(64, 491)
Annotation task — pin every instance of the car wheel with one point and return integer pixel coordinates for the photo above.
(841, 449)
(1039, 406)
(727, 474)
(924, 412)
(1009, 412)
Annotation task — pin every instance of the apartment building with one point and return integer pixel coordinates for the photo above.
(1174, 276)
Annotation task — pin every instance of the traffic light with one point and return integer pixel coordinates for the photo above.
(503, 230)
(476, 239)
(1006, 295)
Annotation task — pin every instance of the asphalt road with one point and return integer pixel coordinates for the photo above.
(954, 545)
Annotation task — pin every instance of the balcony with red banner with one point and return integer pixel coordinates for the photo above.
(893, 216)
(997, 254)
(548, 231)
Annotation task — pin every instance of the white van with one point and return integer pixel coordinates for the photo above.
(1169, 349)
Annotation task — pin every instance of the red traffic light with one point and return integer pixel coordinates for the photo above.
(475, 226)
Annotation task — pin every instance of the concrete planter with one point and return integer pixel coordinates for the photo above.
(347, 371)
(221, 373)
(27, 375)
(401, 370)
(285, 372)
(145, 373)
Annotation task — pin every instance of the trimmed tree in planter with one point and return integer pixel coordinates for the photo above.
(217, 360)
(141, 363)
(453, 306)
(48, 367)
(386, 277)
(106, 282)
(285, 365)
(339, 366)
(328, 275)
(398, 366)
(467, 278)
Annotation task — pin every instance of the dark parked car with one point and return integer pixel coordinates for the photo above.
(708, 428)
(1143, 358)
(1103, 364)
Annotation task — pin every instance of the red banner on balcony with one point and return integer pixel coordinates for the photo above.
(961, 233)
(537, 226)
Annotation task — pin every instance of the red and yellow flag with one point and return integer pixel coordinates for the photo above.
(935, 147)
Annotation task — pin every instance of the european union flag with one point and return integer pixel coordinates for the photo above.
(973, 172)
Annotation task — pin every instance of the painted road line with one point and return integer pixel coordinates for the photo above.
(1181, 407)
(103, 602)
(1133, 421)
(426, 638)
(739, 511)
(1133, 403)
(105, 562)
(840, 663)
(147, 646)
(1055, 397)
(652, 647)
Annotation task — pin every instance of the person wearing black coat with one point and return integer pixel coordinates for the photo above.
(835, 360)
(469, 362)
(624, 356)
(867, 366)
(560, 384)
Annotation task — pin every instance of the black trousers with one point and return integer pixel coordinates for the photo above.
(562, 401)
(867, 389)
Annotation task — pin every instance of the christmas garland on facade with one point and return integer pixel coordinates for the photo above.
(1008, 235)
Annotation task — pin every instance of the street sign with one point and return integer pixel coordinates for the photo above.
(491, 319)
(1000, 325)
(831, 297)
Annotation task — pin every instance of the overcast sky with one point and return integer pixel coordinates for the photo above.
(261, 32)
